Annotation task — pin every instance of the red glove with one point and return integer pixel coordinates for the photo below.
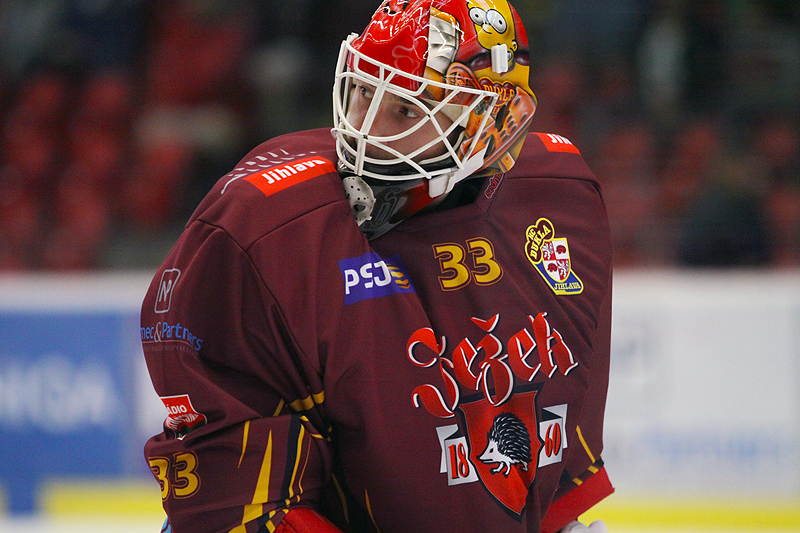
(305, 520)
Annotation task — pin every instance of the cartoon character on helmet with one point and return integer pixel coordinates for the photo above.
(458, 69)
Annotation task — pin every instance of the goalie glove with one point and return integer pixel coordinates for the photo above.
(576, 527)
(305, 520)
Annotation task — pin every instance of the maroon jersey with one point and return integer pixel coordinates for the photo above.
(450, 375)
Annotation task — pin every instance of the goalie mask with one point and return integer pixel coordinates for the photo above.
(433, 92)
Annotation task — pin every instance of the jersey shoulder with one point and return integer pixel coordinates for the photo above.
(308, 142)
(548, 155)
(280, 180)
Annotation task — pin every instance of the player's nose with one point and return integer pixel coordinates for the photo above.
(381, 123)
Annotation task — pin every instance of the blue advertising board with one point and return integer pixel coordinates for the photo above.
(69, 404)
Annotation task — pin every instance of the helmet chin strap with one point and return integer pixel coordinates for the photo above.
(444, 183)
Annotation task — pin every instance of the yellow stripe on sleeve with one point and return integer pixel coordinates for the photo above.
(261, 494)
(244, 442)
(297, 460)
(308, 402)
(279, 408)
(262, 486)
(369, 510)
(585, 446)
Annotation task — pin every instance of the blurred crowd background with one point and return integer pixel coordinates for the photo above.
(118, 115)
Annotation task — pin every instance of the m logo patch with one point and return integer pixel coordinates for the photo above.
(169, 278)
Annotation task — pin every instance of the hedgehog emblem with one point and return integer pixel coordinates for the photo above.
(509, 444)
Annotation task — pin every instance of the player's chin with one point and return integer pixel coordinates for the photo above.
(374, 152)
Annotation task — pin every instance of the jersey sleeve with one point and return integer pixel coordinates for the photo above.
(584, 481)
(245, 438)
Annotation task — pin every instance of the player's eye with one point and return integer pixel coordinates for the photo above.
(497, 20)
(365, 91)
(410, 111)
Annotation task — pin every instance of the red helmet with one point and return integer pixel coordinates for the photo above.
(466, 60)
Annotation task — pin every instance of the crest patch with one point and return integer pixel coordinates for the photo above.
(550, 256)
(504, 447)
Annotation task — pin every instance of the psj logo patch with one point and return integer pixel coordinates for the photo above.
(369, 276)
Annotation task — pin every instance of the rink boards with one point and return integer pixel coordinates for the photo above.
(702, 419)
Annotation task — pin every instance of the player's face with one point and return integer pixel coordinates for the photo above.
(395, 115)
